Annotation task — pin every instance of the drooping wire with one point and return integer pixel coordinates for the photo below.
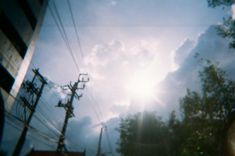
(45, 141)
(94, 109)
(63, 34)
(96, 104)
(12, 118)
(60, 26)
(56, 131)
(45, 124)
(75, 27)
(44, 115)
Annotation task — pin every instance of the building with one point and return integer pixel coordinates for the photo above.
(20, 23)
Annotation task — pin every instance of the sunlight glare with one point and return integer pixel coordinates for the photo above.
(142, 85)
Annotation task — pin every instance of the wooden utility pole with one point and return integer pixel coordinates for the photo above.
(31, 88)
(68, 106)
(99, 143)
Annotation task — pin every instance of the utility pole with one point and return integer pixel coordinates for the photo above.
(32, 88)
(68, 106)
(99, 143)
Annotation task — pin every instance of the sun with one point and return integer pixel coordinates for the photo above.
(142, 85)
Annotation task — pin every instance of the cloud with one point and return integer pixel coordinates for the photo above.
(119, 107)
(209, 46)
(233, 11)
(83, 136)
(114, 65)
(183, 51)
(79, 132)
(113, 2)
(115, 62)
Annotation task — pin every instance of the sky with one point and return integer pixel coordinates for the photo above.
(127, 47)
(139, 56)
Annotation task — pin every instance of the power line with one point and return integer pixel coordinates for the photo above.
(36, 117)
(47, 126)
(12, 117)
(43, 114)
(44, 123)
(62, 31)
(65, 35)
(94, 109)
(43, 135)
(68, 106)
(75, 27)
(42, 140)
(29, 134)
(91, 97)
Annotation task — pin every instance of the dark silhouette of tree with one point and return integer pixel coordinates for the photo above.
(227, 28)
(143, 134)
(205, 114)
(199, 131)
(215, 3)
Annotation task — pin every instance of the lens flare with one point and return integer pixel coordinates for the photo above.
(141, 85)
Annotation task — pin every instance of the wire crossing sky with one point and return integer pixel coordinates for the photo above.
(138, 54)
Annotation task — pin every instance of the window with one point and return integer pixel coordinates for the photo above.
(28, 12)
(9, 30)
(6, 80)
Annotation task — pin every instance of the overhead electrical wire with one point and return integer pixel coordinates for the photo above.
(12, 118)
(76, 30)
(96, 104)
(30, 135)
(62, 31)
(45, 124)
(56, 131)
(58, 21)
(52, 145)
(46, 116)
(94, 109)
(44, 135)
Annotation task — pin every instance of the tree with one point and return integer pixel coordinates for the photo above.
(200, 131)
(143, 134)
(215, 3)
(227, 28)
(205, 114)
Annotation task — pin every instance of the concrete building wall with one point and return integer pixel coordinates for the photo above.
(20, 23)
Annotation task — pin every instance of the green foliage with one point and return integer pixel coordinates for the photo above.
(215, 3)
(205, 115)
(143, 134)
(199, 132)
(227, 29)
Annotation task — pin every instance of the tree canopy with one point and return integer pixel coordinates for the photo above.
(227, 28)
(199, 131)
(215, 3)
